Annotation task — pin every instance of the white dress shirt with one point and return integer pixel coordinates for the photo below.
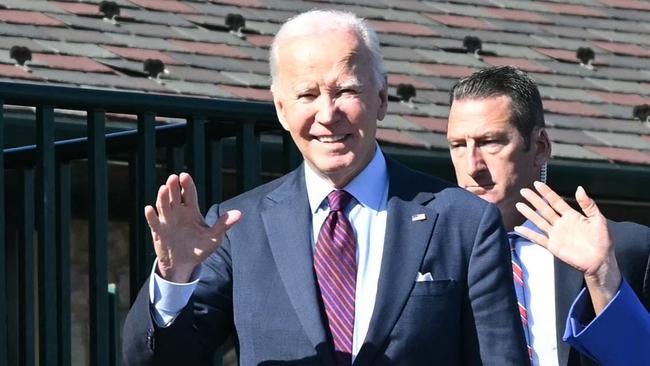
(539, 278)
(366, 212)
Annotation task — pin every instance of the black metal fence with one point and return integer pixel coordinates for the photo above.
(41, 333)
(209, 137)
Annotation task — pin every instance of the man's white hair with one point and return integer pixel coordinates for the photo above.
(307, 23)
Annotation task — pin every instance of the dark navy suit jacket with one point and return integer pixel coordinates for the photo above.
(260, 285)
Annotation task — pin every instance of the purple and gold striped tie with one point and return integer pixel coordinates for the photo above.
(336, 270)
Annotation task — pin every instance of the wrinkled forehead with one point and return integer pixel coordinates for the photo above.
(313, 27)
(478, 116)
(335, 53)
(328, 38)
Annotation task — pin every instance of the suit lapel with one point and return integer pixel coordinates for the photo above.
(291, 246)
(568, 282)
(405, 244)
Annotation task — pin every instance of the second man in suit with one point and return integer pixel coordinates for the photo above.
(499, 146)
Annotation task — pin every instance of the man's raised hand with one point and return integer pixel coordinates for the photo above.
(181, 238)
(581, 240)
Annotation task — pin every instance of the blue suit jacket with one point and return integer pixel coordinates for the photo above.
(633, 256)
(260, 286)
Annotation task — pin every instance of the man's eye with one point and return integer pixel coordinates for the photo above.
(348, 91)
(490, 142)
(306, 96)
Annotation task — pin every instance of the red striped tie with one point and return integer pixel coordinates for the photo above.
(336, 270)
(518, 276)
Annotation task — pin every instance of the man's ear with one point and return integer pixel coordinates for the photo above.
(383, 100)
(542, 144)
(279, 111)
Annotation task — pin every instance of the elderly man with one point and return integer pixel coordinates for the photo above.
(499, 147)
(351, 258)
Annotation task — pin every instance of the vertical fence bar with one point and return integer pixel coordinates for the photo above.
(145, 186)
(46, 235)
(63, 261)
(290, 155)
(195, 157)
(248, 157)
(114, 325)
(174, 159)
(4, 355)
(97, 237)
(136, 215)
(26, 285)
(214, 176)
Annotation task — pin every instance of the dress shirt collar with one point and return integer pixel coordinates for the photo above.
(367, 187)
(528, 224)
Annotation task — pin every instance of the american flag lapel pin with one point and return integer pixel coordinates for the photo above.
(419, 217)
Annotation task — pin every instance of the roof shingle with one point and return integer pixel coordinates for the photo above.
(77, 63)
(28, 17)
(142, 54)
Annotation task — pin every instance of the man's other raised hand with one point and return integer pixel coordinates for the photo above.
(181, 238)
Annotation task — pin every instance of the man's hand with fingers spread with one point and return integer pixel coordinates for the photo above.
(581, 240)
(181, 237)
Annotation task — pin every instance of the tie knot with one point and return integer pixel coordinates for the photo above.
(337, 200)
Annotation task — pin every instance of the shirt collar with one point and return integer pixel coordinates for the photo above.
(367, 187)
(529, 224)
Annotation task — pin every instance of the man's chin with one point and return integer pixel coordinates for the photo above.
(339, 172)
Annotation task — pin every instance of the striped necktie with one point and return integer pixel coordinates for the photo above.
(336, 270)
(518, 276)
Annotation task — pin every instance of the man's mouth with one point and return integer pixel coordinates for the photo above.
(331, 139)
(476, 188)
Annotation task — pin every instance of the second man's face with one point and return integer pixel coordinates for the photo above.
(488, 152)
(327, 99)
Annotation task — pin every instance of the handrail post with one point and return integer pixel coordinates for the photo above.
(46, 235)
(3, 247)
(290, 154)
(214, 176)
(114, 325)
(195, 157)
(63, 261)
(248, 157)
(26, 309)
(174, 159)
(142, 253)
(97, 238)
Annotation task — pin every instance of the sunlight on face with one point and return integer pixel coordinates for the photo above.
(488, 153)
(327, 99)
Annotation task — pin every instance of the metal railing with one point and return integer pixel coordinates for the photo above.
(45, 171)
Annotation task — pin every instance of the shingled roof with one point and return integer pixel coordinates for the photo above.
(588, 112)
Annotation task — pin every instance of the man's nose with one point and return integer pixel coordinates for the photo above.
(327, 110)
(474, 161)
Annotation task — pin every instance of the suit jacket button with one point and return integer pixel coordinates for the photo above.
(150, 340)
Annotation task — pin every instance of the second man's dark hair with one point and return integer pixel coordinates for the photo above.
(527, 111)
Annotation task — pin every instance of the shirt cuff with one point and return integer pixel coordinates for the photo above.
(169, 298)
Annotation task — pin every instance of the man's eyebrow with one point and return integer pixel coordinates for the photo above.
(480, 136)
(301, 88)
(493, 134)
(350, 83)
